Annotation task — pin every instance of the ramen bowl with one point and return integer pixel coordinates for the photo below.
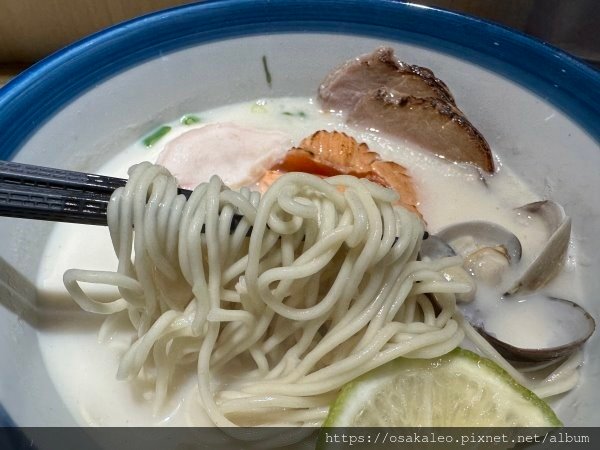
(538, 108)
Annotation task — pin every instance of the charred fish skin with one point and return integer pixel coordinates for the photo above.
(344, 86)
(428, 122)
(378, 91)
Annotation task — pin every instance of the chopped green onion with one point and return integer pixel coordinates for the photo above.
(155, 136)
(256, 108)
(300, 114)
(190, 120)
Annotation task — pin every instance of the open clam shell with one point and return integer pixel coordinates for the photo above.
(486, 245)
(479, 234)
(488, 249)
(550, 259)
(435, 248)
(569, 327)
(469, 238)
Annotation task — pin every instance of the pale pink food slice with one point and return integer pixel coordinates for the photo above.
(237, 154)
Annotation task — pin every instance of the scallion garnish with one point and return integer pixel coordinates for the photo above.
(190, 120)
(156, 135)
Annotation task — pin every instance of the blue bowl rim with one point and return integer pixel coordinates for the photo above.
(556, 76)
(44, 88)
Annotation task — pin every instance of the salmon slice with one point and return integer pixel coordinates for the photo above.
(329, 153)
(395, 176)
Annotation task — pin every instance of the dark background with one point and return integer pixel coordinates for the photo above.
(32, 29)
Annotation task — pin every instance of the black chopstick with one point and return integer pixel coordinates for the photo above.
(26, 174)
(44, 193)
(55, 204)
(57, 195)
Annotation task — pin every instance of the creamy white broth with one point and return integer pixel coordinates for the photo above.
(83, 367)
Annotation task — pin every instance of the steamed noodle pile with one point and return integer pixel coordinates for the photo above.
(325, 287)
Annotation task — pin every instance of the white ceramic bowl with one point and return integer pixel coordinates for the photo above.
(538, 108)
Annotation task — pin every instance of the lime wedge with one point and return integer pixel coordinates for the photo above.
(457, 389)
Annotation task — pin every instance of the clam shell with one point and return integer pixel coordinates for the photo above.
(543, 354)
(550, 259)
(486, 234)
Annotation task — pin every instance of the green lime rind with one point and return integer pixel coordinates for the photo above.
(349, 390)
(548, 413)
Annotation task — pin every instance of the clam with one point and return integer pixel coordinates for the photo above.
(488, 249)
(469, 237)
(492, 255)
(550, 260)
(434, 248)
(536, 328)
